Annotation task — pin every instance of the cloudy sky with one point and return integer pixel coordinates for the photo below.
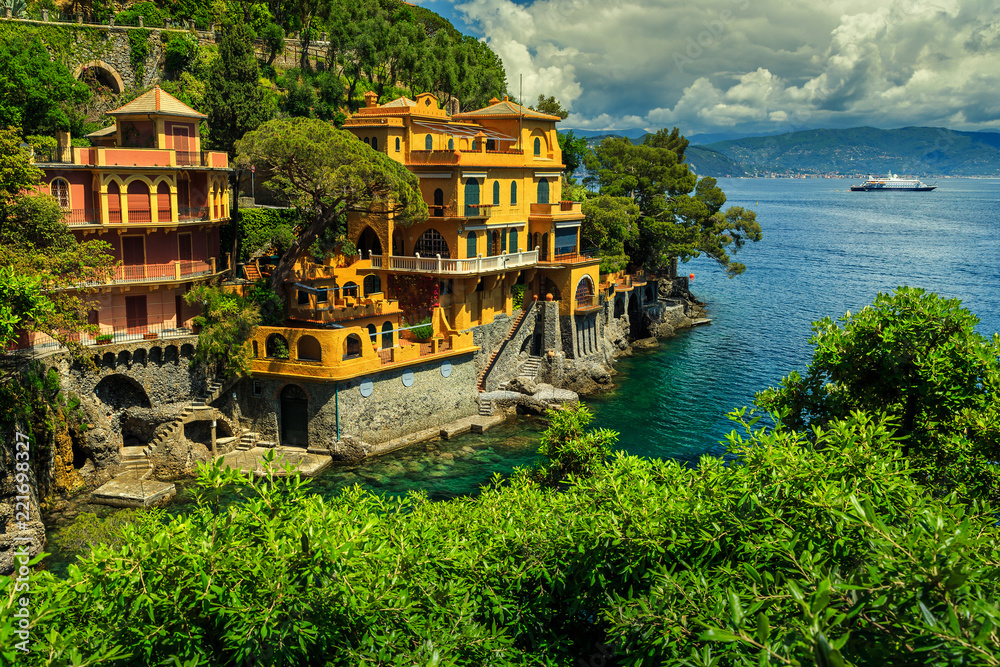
(748, 66)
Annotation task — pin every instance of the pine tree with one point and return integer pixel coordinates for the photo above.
(234, 100)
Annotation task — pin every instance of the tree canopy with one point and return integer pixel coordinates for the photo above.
(680, 216)
(550, 105)
(327, 172)
(917, 359)
(234, 101)
(39, 256)
(37, 94)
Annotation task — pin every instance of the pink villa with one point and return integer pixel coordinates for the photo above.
(145, 187)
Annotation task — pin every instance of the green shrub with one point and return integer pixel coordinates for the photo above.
(423, 333)
(179, 52)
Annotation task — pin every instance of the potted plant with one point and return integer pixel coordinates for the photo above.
(104, 339)
(150, 335)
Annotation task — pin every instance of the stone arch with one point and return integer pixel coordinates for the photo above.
(139, 357)
(650, 294)
(619, 306)
(124, 358)
(104, 73)
(637, 325)
(187, 350)
(170, 355)
(120, 392)
(308, 349)
(368, 243)
(108, 360)
(156, 355)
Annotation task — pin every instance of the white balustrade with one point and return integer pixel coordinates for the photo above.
(468, 266)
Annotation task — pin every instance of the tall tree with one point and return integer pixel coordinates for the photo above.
(327, 172)
(680, 216)
(40, 258)
(574, 150)
(551, 106)
(37, 94)
(234, 99)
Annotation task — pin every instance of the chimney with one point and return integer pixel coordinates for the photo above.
(371, 99)
(64, 149)
(453, 106)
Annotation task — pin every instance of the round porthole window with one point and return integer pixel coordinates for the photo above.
(446, 369)
(367, 387)
(407, 378)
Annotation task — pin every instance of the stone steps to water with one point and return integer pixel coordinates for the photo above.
(248, 441)
(485, 408)
(530, 367)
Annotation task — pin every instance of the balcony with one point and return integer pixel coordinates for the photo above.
(478, 158)
(455, 267)
(176, 270)
(78, 217)
(572, 257)
(562, 209)
(588, 302)
(478, 210)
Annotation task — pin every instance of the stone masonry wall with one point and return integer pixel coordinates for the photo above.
(392, 410)
(510, 358)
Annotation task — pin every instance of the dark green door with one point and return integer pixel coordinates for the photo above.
(294, 417)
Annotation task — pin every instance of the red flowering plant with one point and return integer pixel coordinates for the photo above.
(417, 296)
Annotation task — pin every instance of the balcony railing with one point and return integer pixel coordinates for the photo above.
(572, 257)
(83, 216)
(191, 159)
(114, 217)
(151, 273)
(140, 216)
(43, 344)
(192, 213)
(587, 302)
(470, 266)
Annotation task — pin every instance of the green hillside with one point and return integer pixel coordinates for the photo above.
(707, 162)
(918, 151)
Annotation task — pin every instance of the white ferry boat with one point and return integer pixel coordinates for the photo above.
(891, 182)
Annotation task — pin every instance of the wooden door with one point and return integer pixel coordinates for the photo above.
(184, 247)
(135, 314)
(133, 251)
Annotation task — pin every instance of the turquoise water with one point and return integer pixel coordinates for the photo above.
(825, 250)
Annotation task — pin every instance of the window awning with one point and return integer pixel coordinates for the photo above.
(463, 130)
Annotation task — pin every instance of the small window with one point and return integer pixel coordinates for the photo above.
(373, 333)
(513, 193)
(428, 142)
(375, 143)
(257, 389)
(322, 296)
(496, 193)
(303, 297)
(451, 144)
(538, 146)
(543, 191)
(60, 190)
(397, 144)
(491, 145)
(368, 141)
(352, 347)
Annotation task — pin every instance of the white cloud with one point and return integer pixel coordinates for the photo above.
(751, 64)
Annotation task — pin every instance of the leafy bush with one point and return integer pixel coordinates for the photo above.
(266, 230)
(517, 296)
(152, 16)
(179, 52)
(423, 333)
(227, 322)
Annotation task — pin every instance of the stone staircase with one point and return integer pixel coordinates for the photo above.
(135, 463)
(489, 364)
(530, 367)
(485, 408)
(214, 390)
(247, 441)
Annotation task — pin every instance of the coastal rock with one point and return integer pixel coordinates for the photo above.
(646, 343)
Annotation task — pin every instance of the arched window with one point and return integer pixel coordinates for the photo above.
(387, 329)
(163, 202)
(503, 242)
(369, 243)
(451, 143)
(368, 141)
(351, 289)
(373, 333)
(138, 202)
(471, 198)
(538, 146)
(375, 143)
(438, 210)
(59, 189)
(495, 244)
(428, 142)
(372, 284)
(397, 144)
(256, 353)
(543, 191)
(512, 244)
(513, 193)
(352, 347)
(308, 349)
(584, 291)
(114, 203)
(491, 145)
(430, 244)
(471, 249)
(496, 193)
(276, 346)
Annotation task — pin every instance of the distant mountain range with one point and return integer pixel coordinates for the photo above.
(911, 151)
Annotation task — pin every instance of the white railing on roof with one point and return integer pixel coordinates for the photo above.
(469, 266)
